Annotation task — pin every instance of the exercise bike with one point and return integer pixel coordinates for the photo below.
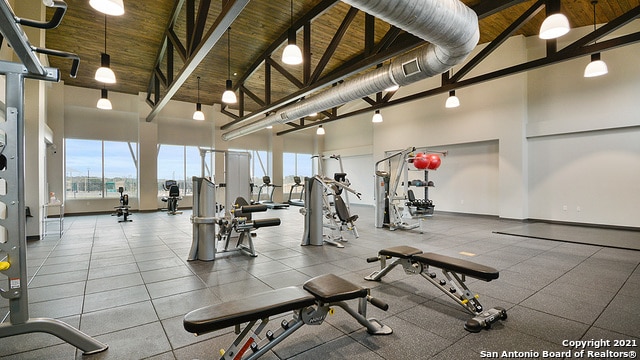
(123, 209)
(174, 195)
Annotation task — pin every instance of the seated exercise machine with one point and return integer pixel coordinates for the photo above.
(174, 195)
(325, 209)
(309, 303)
(266, 184)
(455, 270)
(297, 183)
(242, 224)
(123, 209)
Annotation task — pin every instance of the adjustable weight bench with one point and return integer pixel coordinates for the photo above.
(455, 271)
(309, 303)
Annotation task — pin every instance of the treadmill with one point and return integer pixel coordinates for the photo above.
(266, 183)
(298, 183)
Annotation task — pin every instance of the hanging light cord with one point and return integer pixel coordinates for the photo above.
(105, 34)
(291, 17)
(229, 53)
(198, 88)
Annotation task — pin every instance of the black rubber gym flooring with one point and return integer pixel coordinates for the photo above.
(129, 285)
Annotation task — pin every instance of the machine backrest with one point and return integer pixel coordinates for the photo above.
(341, 177)
(125, 200)
(341, 208)
(174, 191)
(411, 196)
(240, 202)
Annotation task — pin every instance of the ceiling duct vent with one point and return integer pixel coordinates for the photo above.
(448, 26)
(410, 68)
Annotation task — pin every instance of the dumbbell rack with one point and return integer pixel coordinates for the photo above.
(13, 247)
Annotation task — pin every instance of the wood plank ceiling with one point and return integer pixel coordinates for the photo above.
(134, 39)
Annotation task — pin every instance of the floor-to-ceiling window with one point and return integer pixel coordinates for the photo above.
(96, 169)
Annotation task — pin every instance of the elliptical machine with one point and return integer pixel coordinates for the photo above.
(123, 209)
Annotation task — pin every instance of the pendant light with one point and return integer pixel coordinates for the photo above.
(377, 117)
(198, 114)
(292, 54)
(320, 130)
(452, 100)
(104, 73)
(103, 102)
(108, 7)
(596, 67)
(228, 96)
(556, 24)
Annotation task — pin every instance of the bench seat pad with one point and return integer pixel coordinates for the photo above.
(255, 307)
(462, 266)
(331, 288)
(402, 252)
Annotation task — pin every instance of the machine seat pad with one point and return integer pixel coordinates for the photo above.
(331, 288)
(403, 252)
(255, 307)
(258, 223)
(466, 267)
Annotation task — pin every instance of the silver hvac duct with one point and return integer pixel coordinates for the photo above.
(450, 27)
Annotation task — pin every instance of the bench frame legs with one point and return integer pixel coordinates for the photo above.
(453, 285)
(250, 345)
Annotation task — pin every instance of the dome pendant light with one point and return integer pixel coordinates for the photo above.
(104, 73)
(320, 130)
(596, 67)
(198, 114)
(108, 7)
(103, 102)
(228, 96)
(452, 100)
(556, 24)
(292, 55)
(377, 117)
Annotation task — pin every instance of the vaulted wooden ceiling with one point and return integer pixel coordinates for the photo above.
(134, 41)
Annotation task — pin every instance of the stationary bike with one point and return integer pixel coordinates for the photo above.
(123, 209)
(174, 195)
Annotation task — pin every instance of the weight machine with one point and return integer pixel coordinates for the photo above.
(13, 247)
(123, 209)
(395, 203)
(324, 208)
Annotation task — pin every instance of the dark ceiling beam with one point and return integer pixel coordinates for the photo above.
(200, 22)
(487, 8)
(512, 70)
(523, 19)
(289, 76)
(253, 96)
(230, 11)
(333, 45)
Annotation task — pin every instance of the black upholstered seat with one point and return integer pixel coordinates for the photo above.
(255, 307)
(402, 252)
(462, 266)
(331, 288)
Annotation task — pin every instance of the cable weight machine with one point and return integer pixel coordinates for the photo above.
(13, 247)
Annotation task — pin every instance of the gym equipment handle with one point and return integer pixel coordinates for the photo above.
(372, 259)
(378, 303)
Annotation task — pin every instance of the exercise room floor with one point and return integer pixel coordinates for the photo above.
(129, 285)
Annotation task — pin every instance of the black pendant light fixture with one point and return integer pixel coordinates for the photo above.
(596, 67)
(291, 54)
(229, 97)
(198, 114)
(104, 73)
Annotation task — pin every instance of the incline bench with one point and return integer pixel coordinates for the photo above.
(310, 304)
(455, 270)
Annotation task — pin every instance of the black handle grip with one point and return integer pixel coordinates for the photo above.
(372, 259)
(378, 303)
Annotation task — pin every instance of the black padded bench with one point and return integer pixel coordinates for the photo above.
(309, 303)
(455, 271)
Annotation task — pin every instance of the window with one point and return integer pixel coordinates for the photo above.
(180, 163)
(294, 164)
(96, 169)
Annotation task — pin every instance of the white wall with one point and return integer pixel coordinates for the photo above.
(525, 145)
